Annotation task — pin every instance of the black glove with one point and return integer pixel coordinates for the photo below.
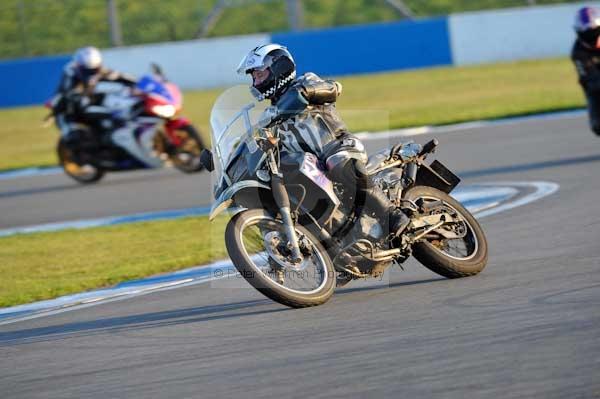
(321, 92)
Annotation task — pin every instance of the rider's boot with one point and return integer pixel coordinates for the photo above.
(393, 219)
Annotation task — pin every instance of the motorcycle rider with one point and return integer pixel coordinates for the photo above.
(586, 57)
(307, 119)
(75, 101)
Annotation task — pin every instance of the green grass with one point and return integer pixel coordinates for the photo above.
(369, 102)
(47, 265)
(449, 95)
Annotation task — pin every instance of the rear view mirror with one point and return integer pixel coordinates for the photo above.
(157, 70)
(206, 159)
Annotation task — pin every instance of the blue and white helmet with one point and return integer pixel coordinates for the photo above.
(587, 26)
(280, 63)
(587, 18)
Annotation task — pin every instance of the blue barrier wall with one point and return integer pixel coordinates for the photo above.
(335, 51)
(370, 48)
(29, 81)
(460, 39)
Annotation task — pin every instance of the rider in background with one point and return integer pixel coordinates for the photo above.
(307, 121)
(75, 101)
(586, 56)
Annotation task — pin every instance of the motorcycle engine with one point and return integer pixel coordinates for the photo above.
(390, 181)
(370, 228)
(389, 178)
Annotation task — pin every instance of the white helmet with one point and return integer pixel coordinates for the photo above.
(88, 58)
(280, 63)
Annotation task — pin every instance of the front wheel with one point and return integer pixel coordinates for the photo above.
(81, 172)
(258, 248)
(186, 155)
(458, 249)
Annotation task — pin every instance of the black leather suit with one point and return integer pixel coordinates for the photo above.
(309, 122)
(75, 102)
(587, 63)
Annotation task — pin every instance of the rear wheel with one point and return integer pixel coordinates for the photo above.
(257, 246)
(466, 253)
(83, 173)
(186, 156)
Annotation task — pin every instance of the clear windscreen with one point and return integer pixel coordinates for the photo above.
(232, 120)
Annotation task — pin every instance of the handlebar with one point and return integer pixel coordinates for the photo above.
(429, 147)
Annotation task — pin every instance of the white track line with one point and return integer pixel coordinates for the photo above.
(107, 221)
(543, 189)
(29, 172)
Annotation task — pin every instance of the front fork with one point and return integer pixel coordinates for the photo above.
(282, 200)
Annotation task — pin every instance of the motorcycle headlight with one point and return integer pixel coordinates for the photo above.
(164, 111)
(263, 175)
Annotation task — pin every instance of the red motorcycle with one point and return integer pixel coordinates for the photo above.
(153, 135)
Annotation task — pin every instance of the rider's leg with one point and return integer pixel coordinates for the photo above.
(369, 196)
(346, 164)
(102, 122)
(101, 117)
(593, 105)
(74, 132)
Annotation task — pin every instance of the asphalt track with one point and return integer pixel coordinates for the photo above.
(528, 326)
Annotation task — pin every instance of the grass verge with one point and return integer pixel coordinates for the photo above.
(47, 265)
(369, 102)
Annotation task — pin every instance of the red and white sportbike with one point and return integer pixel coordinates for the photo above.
(145, 130)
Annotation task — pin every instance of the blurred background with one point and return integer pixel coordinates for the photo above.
(200, 42)
(45, 27)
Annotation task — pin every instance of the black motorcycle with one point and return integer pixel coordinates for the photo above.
(295, 234)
